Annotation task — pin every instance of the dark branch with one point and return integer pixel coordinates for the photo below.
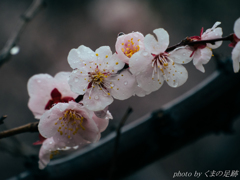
(115, 153)
(30, 127)
(25, 18)
(190, 42)
(79, 98)
(2, 119)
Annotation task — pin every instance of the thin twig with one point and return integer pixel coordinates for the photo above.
(30, 127)
(25, 18)
(2, 118)
(115, 152)
(190, 42)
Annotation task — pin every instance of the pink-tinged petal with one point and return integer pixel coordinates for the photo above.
(176, 75)
(114, 64)
(96, 99)
(102, 123)
(149, 83)
(79, 81)
(101, 114)
(236, 57)
(91, 131)
(124, 41)
(45, 152)
(48, 123)
(157, 47)
(39, 89)
(181, 55)
(236, 28)
(140, 61)
(62, 85)
(202, 56)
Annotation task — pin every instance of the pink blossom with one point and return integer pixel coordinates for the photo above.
(72, 123)
(128, 44)
(236, 45)
(202, 53)
(96, 75)
(153, 65)
(45, 91)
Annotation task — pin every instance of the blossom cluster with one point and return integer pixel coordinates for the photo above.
(139, 66)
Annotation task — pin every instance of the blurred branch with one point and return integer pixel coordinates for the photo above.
(30, 127)
(34, 8)
(2, 119)
(115, 152)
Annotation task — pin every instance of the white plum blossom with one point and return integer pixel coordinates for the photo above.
(128, 44)
(153, 65)
(202, 53)
(96, 75)
(236, 46)
(45, 91)
(72, 124)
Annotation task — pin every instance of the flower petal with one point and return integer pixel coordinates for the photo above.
(102, 123)
(157, 47)
(114, 64)
(96, 99)
(236, 28)
(122, 86)
(39, 89)
(104, 55)
(139, 61)
(202, 56)
(145, 81)
(236, 57)
(181, 55)
(79, 81)
(176, 75)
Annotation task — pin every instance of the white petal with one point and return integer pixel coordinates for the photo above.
(181, 56)
(216, 33)
(96, 99)
(145, 81)
(103, 54)
(157, 47)
(236, 57)
(114, 64)
(139, 61)
(122, 86)
(79, 81)
(236, 27)
(176, 75)
(202, 56)
(140, 92)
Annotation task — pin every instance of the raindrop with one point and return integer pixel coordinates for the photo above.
(175, 83)
(184, 54)
(96, 97)
(145, 53)
(76, 80)
(50, 142)
(75, 147)
(112, 85)
(15, 50)
(125, 82)
(216, 34)
(38, 81)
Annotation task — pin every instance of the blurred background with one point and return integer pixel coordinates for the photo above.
(63, 25)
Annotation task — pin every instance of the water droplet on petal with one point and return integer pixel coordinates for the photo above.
(216, 34)
(38, 81)
(145, 53)
(15, 50)
(50, 142)
(125, 83)
(76, 80)
(175, 83)
(96, 97)
(184, 54)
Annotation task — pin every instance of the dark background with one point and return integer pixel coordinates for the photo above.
(63, 25)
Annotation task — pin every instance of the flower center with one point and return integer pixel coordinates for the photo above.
(98, 77)
(130, 47)
(70, 123)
